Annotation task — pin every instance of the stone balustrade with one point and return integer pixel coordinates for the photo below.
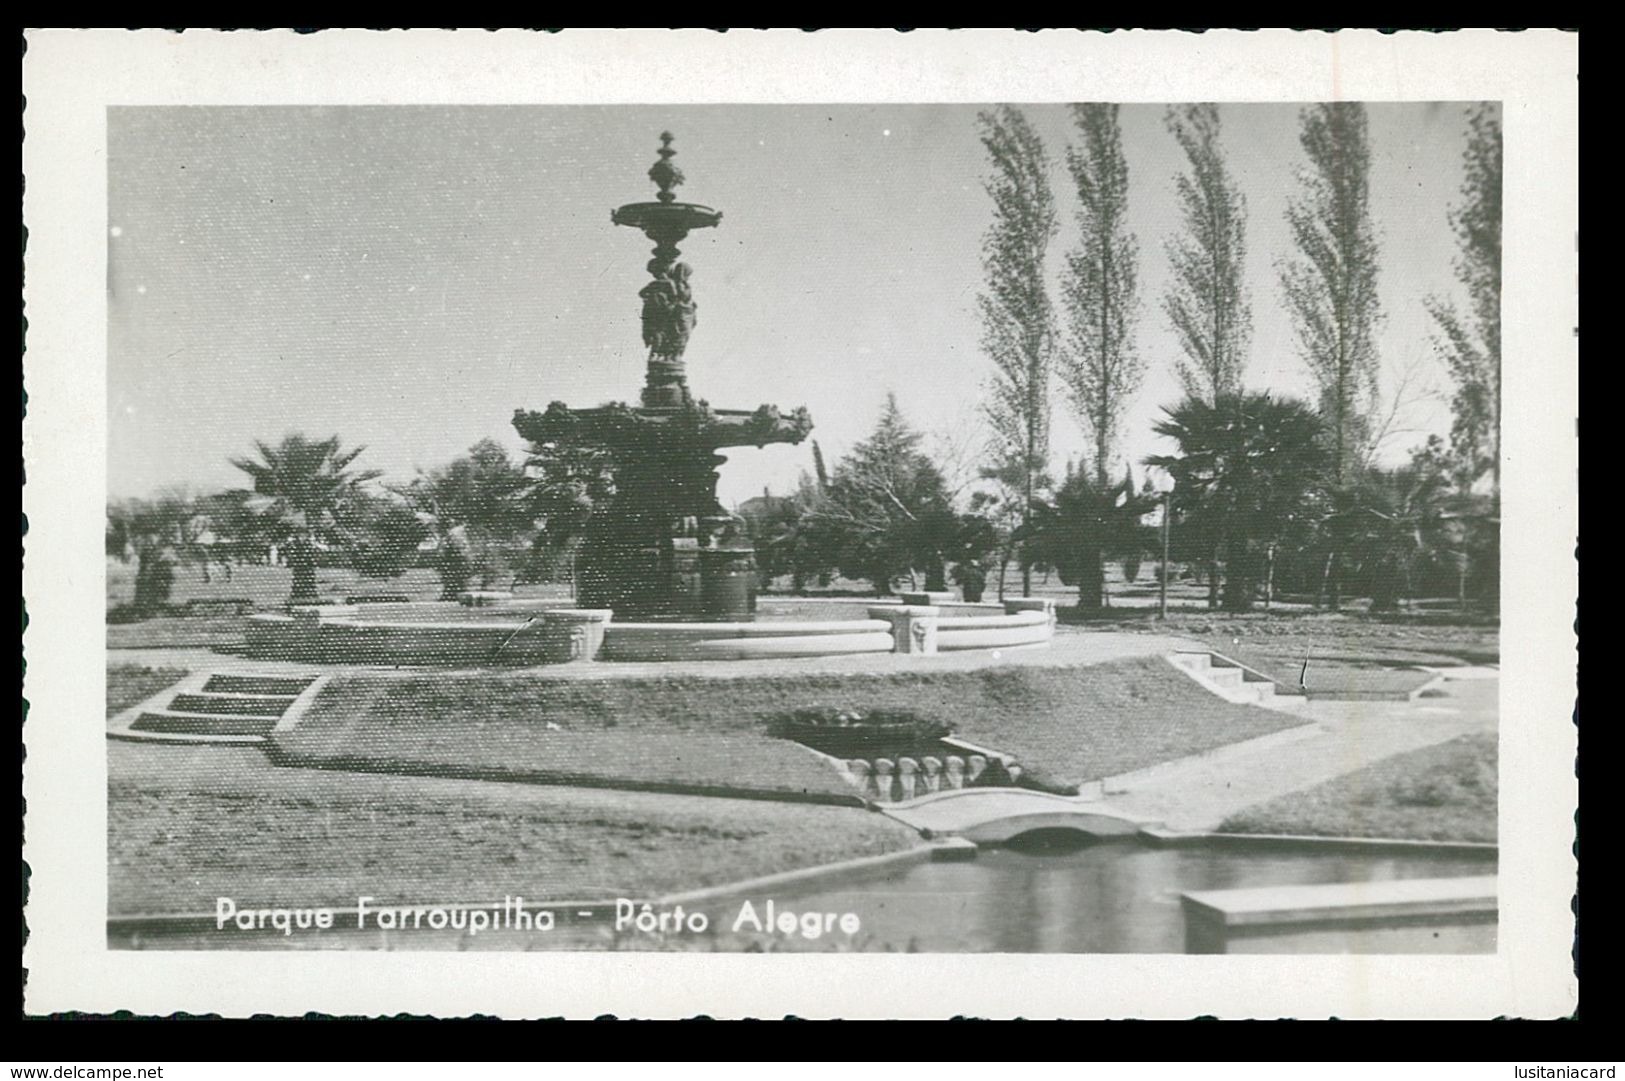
(932, 768)
(904, 778)
(885, 770)
(908, 775)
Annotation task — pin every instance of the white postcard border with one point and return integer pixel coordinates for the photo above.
(70, 77)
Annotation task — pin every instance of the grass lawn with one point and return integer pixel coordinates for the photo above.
(189, 824)
(1445, 792)
(131, 684)
(1066, 725)
(1344, 639)
(265, 587)
(176, 631)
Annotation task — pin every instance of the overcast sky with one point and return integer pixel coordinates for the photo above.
(407, 276)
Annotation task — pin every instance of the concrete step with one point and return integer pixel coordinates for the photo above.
(251, 705)
(241, 684)
(1232, 681)
(199, 724)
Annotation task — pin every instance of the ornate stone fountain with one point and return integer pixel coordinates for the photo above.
(665, 573)
(664, 548)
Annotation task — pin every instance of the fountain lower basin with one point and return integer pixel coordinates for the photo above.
(531, 632)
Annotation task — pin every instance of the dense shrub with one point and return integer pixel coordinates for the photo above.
(854, 733)
(135, 613)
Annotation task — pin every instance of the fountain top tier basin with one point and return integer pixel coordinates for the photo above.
(665, 219)
(673, 217)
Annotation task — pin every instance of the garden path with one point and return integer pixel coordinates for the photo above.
(1199, 793)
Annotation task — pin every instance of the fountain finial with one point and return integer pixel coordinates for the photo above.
(666, 175)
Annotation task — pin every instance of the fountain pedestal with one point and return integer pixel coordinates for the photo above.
(664, 548)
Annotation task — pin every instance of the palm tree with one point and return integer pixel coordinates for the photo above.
(156, 533)
(301, 488)
(385, 534)
(1398, 519)
(1395, 522)
(482, 509)
(1248, 475)
(1086, 522)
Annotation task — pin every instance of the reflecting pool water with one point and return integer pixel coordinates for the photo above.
(1106, 898)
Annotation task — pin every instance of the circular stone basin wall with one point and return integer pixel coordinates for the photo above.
(542, 631)
(769, 609)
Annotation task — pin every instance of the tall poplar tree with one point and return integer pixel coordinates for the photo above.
(1207, 301)
(1100, 288)
(1018, 320)
(1330, 287)
(1330, 284)
(1471, 344)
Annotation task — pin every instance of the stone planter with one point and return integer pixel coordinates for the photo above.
(914, 627)
(573, 634)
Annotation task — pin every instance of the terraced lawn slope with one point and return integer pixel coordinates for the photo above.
(708, 735)
(1447, 792)
(189, 824)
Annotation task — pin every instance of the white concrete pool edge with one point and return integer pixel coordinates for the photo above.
(1167, 838)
